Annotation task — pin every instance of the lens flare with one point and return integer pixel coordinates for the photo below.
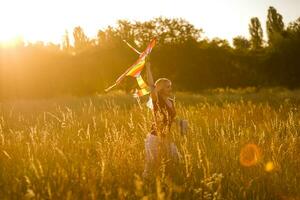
(249, 155)
(269, 166)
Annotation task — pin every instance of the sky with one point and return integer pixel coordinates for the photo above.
(47, 20)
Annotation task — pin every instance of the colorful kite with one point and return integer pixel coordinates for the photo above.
(135, 71)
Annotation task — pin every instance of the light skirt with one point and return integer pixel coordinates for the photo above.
(158, 151)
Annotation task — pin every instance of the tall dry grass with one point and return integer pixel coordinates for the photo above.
(93, 148)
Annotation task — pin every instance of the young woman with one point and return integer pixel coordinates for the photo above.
(160, 150)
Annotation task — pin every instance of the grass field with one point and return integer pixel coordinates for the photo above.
(93, 148)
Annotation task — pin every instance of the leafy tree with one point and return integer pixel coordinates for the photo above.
(167, 31)
(176, 30)
(192, 63)
(125, 30)
(66, 46)
(108, 38)
(275, 26)
(81, 41)
(256, 33)
(241, 43)
(293, 29)
(218, 42)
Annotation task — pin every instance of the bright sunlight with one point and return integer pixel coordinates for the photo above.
(47, 20)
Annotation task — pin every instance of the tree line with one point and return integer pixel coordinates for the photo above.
(88, 65)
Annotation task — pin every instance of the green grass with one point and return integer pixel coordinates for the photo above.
(93, 148)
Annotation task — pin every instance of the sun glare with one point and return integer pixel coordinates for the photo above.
(250, 155)
(9, 23)
(10, 40)
(47, 20)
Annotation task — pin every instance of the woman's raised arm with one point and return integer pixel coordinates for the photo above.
(151, 82)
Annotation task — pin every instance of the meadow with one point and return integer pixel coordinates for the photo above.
(241, 144)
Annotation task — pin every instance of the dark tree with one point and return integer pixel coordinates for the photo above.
(241, 43)
(275, 26)
(293, 29)
(66, 46)
(256, 33)
(81, 41)
(126, 30)
(192, 63)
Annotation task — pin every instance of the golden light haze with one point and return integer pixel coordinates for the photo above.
(47, 20)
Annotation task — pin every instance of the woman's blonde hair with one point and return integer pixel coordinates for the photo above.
(159, 83)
